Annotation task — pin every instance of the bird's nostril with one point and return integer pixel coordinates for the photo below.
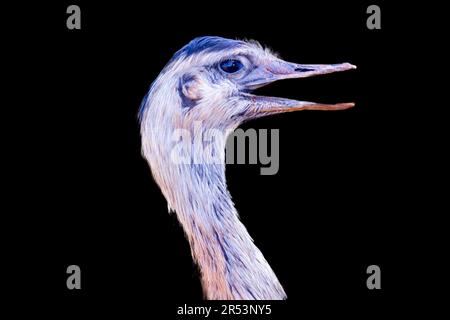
(303, 69)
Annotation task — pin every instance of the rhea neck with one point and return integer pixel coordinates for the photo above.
(231, 266)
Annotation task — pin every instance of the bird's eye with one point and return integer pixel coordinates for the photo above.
(231, 66)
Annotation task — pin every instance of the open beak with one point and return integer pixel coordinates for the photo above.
(278, 70)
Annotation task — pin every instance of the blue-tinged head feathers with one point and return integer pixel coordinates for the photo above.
(206, 44)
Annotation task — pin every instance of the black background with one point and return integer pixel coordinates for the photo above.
(344, 198)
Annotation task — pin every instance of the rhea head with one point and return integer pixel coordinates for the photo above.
(211, 80)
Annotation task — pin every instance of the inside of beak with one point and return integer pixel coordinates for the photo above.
(277, 70)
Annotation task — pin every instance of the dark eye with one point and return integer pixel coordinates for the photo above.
(231, 66)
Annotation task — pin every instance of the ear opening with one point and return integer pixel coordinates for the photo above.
(189, 91)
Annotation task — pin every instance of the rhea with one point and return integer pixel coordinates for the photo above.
(207, 85)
